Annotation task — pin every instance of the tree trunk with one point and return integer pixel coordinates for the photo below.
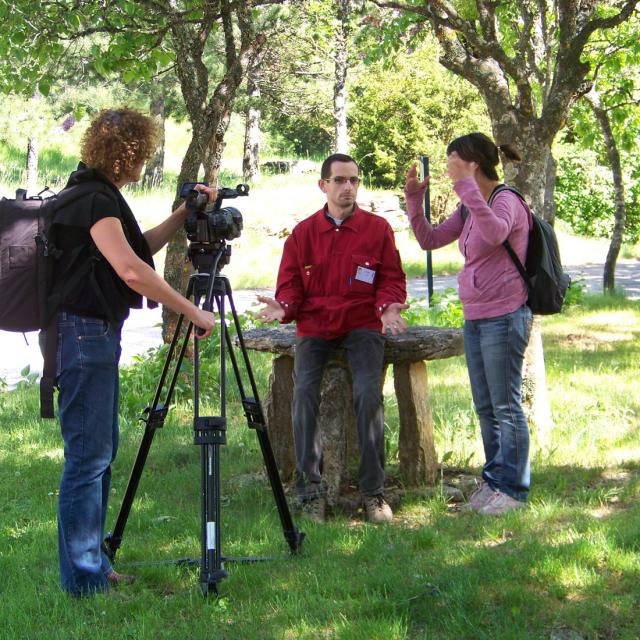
(341, 54)
(154, 169)
(549, 200)
(177, 268)
(252, 134)
(535, 394)
(215, 149)
(613, 155)
(536, 182)
(209, 113)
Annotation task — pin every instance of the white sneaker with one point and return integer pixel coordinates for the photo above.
(500, 503)
(479, 497)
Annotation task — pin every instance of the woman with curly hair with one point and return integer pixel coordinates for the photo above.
(100, 228)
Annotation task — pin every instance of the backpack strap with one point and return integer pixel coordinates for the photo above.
(48, 379)
(464, 213)
(77, 271)
(519, 265)
(512, 254)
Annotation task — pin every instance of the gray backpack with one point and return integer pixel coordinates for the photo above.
(28, 301)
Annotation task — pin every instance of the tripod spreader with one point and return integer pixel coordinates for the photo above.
(210, 430)
(156, 417)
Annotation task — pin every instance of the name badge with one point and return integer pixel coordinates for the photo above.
(365, 275)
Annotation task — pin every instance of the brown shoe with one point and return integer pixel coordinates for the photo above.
(315, 509)
(377, 509)
(116, 579)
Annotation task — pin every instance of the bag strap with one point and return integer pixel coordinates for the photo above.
(47, 381)
(76, 272)
(464, 213)
(506, 244)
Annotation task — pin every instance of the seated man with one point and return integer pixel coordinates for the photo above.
(341, 281)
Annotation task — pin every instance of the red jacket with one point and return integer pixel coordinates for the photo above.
(334, 279)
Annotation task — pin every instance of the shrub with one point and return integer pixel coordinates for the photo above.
(585, 197)
(411, 107)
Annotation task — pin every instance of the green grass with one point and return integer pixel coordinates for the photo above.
(570, 563)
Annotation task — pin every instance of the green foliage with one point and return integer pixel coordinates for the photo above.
(28, 378)
(139, 380)
(585, 197)
(615, 60)
(39, 45)
(407, 108)
(575, 293)
(445, 310)
(296, 82)
(301, 132)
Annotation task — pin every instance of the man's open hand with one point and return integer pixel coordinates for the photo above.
(271, 312)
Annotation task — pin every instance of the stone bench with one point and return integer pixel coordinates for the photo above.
(407, 354)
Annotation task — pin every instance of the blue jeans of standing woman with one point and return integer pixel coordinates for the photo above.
(87, 376)
(494, 348)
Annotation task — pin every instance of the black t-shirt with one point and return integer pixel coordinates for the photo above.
(71, 235)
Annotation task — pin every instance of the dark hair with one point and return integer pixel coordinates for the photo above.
(117, 141)
(476, 147)
(325, 171)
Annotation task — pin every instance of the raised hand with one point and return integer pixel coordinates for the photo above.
(457, 168)
(412, 184)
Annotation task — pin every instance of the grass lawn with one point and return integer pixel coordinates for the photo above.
(567, 567)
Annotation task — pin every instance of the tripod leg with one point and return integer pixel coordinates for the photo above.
(156, 415)
(255, 418)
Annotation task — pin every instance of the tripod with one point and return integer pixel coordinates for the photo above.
(207, 285)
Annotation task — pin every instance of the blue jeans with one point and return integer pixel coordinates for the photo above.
(365, 354)
(87, 377)
(494, 348)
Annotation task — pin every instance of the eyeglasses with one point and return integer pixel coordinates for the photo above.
(340, 180)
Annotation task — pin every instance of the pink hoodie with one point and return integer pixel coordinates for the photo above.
(489, 284)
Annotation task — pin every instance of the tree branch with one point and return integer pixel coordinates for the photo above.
(628, 7)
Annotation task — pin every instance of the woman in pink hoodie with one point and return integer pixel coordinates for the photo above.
(497, 319)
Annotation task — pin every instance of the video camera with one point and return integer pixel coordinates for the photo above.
(208, 223)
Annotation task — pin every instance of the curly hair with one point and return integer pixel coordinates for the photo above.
(117, 141)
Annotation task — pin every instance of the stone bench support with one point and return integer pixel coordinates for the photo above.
(407, 354)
